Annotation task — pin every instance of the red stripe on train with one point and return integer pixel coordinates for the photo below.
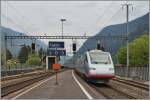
(99, 76)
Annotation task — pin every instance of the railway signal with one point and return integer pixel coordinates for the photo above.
(33, 47)
(74, 47)
(98, 46)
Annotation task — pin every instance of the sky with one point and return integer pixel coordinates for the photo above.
(82, 17)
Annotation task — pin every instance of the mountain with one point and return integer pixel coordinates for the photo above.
(137, 27)
(15, 49)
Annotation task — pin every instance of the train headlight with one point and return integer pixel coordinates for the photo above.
(111, 69)
(92, 68)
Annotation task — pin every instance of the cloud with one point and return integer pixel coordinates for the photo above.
(82, 16)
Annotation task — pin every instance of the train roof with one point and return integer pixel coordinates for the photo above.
(96, 51)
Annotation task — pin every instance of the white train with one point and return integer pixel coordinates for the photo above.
(96, 66)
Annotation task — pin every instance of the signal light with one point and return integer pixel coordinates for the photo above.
(74, 46)
(33, 47)
(98, 46)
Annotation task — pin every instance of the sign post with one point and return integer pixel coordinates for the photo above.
(56, 49)
(56, 68)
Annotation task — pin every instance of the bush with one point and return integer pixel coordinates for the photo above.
(33, 59)
(11, 63)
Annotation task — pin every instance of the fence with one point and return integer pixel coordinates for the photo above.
(18, 71)
(18, 55)
(137, 72)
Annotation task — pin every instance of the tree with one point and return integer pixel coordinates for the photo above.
(8, 55)
(138, 52)
(33, 59)
(122, 58)
(40, 52)
(23, 54)
(11, 63)
(2, 59)
(29, 48)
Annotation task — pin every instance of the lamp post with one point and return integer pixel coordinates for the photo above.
(62, 20)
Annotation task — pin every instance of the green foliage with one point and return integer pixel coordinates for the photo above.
(138, 52)
(2, 59)
(11, 63)
(33, 59)
(8, 55)
(122, 55)
(40, 52)
(23, 54)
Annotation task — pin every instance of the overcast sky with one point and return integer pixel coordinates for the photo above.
(39, 17)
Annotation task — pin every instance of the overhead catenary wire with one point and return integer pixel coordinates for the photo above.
(11, 21)
(104, 12)
(102, 15)
(101, 27)
(21, 15)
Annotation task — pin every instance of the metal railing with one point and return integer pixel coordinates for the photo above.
(135, 72)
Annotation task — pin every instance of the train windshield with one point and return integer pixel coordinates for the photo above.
(99, 58)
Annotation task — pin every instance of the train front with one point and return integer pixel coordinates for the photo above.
(101, 68)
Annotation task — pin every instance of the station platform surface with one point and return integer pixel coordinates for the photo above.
(66, 89)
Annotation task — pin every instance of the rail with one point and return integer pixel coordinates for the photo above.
(13, 86)
(133, 83)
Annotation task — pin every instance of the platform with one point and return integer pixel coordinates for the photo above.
(67, 89)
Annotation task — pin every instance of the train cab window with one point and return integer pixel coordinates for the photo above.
(99, 58)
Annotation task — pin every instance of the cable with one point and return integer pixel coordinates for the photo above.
(106, 9)
(112, 17)
(21, 15)
(10, 20)
(102, 15)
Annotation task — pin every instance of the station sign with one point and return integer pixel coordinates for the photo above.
(56, 52)
(56, 44)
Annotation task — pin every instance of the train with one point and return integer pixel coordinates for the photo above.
(95, 66)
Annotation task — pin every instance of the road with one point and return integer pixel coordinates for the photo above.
(70, 87)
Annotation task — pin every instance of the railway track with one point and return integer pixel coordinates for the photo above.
(136, 89)
(110, 92)
(18, 76)
(12, 87)
(133, 83)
